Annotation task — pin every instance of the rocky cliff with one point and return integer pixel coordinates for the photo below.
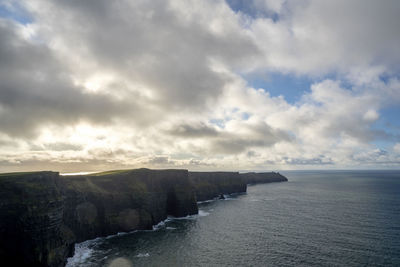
(31, 214)
(209, 185)
(263, 177)
(111, 202)
(42, 214)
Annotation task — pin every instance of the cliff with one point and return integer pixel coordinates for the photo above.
(263, 177)
(31, 213)
(42, 214)
(111, 202)
(209, 185)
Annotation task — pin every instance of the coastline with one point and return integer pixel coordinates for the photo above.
(77, 208)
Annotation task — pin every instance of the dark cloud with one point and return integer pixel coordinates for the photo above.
(146, 43)
(225, 141)
(159, 160)
(8, 143)
(36, 90)
(251, 154)
(193, 131)
(60, 146)
(153, 44)
(259, 135)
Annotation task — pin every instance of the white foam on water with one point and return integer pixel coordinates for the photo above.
(159, 225)
(230, 197)
(141, 255)
(207, 201)
(120, 234)
(82, 253)
(203, 213)
(189, 217)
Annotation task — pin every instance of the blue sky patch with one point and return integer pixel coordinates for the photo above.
(15, 12)
(290, 86)
(250, 9)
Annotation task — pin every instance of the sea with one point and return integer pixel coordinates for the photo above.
(317, 218)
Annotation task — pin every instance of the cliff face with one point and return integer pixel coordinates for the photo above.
(42, 214)
(31, 213)
(263, 177)
(111, 202)
(209, 185)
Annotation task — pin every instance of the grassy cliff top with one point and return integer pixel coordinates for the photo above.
(109, 172)
(16, 174)
(132, 170)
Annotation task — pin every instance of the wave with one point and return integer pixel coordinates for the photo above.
(83, 251)
(232, 196)
(141, 255)
(203, 213)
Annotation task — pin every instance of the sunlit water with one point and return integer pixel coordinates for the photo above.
(315, 219)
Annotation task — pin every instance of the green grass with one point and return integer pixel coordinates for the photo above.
(109, 172)
(8, 174)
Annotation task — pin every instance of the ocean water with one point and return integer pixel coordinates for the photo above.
(318, 218)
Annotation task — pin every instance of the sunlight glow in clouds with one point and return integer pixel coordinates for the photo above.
(95, 84)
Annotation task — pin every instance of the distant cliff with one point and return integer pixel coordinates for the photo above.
(263, 177)
(209, 185)
(42, 214)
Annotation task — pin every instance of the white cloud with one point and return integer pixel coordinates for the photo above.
(317, 37)
(97, 84)
(396, 148)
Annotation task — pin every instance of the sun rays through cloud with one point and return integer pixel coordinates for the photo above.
(249, 85)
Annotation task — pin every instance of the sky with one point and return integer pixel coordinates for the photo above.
(90, 85)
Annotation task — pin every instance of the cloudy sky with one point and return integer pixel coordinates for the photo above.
(91, 85)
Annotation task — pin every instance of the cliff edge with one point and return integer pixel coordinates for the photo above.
(263, 177)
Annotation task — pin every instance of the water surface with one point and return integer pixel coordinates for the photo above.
(318, 218)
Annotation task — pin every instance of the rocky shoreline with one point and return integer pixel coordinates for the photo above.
(43, 214)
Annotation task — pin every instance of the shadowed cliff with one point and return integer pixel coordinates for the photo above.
(110, 202)
(42, 214)
(209, 185)
(31, 213)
